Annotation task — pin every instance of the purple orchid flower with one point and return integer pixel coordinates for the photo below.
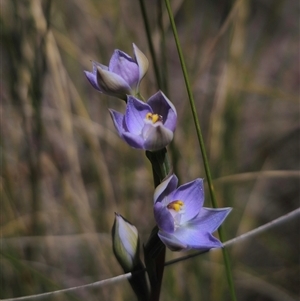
(123, 75)
(148, 126)
(182, 221)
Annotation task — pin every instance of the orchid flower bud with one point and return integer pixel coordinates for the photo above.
(126, 249)
(125, 243)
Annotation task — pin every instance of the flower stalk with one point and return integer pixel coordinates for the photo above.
(154, 249)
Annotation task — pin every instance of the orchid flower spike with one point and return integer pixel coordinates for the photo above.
(182, 220)
(148, 126)
(123, 75)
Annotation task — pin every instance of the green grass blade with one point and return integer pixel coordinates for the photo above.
(201, 144)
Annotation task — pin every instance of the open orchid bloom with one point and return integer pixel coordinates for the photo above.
(182, 220)
(148, 126)
(123, 75)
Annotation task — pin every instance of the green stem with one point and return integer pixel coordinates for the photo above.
(155, 250)
(154, 253)
(202, 146)
(160, 165)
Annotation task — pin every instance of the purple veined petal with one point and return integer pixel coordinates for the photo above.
(209, 219)
(171, 241)
(115, 59)
(135, 115)
(133, 140)
(163, 106)
(92, 79)
(164, 189)
(118, 120)
(163, 218)
(156, 136)
(195, 238)
(142, 62)
(112, 84)
(192, 194)
(123, 65)
(171, 121)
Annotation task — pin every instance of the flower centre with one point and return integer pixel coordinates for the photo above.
(176, 205)
(153, 117)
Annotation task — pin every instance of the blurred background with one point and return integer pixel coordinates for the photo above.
(64, 170)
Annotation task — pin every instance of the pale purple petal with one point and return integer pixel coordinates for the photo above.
(171, 121)
(142, 62)
(163, 218)
(135, 115)
(195, 238)
(114, 62)
(192, 194)
(92, 79)
(118, 120)
(156, 136)
(171, 241)
(112, 84)
(123, 65)
(209, 219)
(164, 189)
(162, 105)
(133, 140)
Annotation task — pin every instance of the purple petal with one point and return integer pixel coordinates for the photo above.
(162, 105)
(164, 189)
(136, 112)
(171, 120)
(123, 65)
(133, 140)
(163, 218)
(115, 59)
(92, 79)
(209, 219)
(196, 239)
(192, 194)
(171, 241)
(118, 120)
(156, 136)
